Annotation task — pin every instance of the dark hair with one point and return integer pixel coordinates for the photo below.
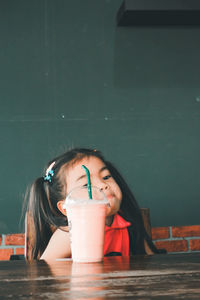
(44, 195)
(130, 211)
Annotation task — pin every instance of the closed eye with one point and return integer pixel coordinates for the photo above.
(107, 177)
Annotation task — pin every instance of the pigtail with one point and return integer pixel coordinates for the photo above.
(45, 217)
(37, 212)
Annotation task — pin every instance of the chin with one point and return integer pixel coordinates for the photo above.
(111, 212)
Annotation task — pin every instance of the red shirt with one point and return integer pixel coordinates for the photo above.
(116, 236)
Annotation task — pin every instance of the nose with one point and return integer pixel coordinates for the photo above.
(103, 186)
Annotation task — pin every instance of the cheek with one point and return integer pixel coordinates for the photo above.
(116, 201)
(114, 206)
(118, 193)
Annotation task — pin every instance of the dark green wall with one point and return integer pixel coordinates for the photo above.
(70, 76)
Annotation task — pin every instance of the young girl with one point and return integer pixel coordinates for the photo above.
(124, 234)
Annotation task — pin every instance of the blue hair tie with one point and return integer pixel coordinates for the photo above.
(49, 173)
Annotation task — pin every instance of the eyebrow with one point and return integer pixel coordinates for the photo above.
(84, 175)
(79, 178)
(103, 168)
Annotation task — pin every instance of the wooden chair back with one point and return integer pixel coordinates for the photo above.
(29, 240)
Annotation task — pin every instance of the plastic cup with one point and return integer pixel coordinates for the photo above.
(86, 218)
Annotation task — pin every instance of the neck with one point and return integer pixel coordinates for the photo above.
(109, 220)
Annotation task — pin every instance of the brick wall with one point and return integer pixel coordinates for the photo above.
(11, 244)
(177, 238)
(174, 239)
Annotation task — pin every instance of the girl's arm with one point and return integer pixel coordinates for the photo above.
(58, 246)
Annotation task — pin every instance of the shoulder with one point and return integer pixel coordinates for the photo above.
(58, 246)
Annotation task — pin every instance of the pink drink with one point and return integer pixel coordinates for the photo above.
(87, 228)
(86, 219)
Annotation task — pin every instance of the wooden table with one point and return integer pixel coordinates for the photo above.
(163, 276)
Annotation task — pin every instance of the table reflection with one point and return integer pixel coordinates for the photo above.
(84, 280)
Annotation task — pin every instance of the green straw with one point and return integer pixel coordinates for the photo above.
(88, 181)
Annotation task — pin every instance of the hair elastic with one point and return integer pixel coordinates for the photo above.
(49, 173)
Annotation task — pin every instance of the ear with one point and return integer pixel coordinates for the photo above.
(61, 208)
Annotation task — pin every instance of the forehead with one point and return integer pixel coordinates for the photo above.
(75, 171)
(94, 164)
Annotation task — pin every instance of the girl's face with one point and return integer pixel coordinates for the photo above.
(99, 176)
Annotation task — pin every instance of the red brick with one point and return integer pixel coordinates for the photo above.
(19, 251)
(160, 233)
(173, 246)
(195, 245)
(15, 239)
(186, 231)
(5, 253)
